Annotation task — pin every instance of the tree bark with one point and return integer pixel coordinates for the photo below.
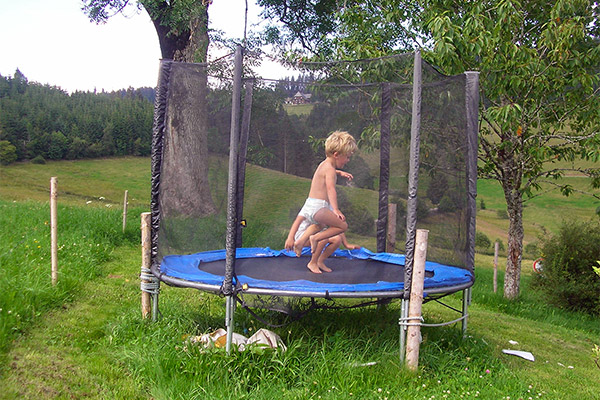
(187, 186)
(512, 277)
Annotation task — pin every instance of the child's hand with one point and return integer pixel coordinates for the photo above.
(345, 174)
(339, 214)
(289, 244)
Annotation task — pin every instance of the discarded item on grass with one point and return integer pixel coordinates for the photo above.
(513, 342)
(262, 338)
(266, 338)
(523, 354)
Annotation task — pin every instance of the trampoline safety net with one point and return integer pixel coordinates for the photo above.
(416, 130)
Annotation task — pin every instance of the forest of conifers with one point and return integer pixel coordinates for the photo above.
(45, 121)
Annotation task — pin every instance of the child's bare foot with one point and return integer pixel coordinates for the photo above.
(313, 243)
(298, 248)
(314, 267)
(323, 267)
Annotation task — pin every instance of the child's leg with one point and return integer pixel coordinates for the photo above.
(301, 242)
(334, 243)
(313, 264)
(335, 226)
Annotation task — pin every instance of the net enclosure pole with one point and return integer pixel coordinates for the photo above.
(242, 156)
(413, 340)
(232, 222)
(472, 128)
(413, 172)
(384, 167)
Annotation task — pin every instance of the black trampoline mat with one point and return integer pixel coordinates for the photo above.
(283, 269)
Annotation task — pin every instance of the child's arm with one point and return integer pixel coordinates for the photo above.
(330, 178)
(344, 174)
(289, 242)
(348, 245)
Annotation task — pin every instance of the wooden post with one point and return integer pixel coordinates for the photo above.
(146, 249)
(53, 231)
(125, 211)
(391, 228)
(413, 333)
(496, 244)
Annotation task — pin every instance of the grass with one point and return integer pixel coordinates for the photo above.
(85, 337)
(102, 182)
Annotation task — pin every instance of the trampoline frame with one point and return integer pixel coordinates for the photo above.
(246, 284)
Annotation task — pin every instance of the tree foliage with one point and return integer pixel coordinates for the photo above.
(43, 120)
(539, 83)
(538, 64)
(568, 278)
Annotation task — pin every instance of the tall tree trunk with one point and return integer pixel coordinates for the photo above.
(512, 277)
(187, 184)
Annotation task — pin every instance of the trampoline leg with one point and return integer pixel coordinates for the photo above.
(229, 311)
(403, 319)
(155, 303)
(465, 309)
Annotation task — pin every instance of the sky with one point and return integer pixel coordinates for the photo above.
(53, 42)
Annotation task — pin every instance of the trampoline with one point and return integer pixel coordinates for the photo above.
(355, 274)
(232, 157)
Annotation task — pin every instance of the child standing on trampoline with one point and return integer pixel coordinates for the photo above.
(321, 207)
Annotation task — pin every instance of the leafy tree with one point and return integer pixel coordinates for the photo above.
(182, 29)
(8, 152)
(58, 147)
(539, 83)
(77, 149)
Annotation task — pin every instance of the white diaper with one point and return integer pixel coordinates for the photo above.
(308, 211)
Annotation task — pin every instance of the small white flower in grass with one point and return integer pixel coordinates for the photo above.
(101, 198)
(88, 202)
(379, 390)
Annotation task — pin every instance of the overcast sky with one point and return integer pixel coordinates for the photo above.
(53, 42)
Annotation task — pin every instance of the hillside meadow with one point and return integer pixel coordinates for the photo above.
(85, 337)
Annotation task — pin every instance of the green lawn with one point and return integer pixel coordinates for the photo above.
(85, 338)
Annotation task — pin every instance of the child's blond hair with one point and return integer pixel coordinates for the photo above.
(341, 142)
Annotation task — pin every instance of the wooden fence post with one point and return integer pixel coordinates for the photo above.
(416, 300)
(53, 231)
(496, 246)
(146, 259)
(125, 211)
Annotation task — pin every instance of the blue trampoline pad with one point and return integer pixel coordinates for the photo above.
(283, 273)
